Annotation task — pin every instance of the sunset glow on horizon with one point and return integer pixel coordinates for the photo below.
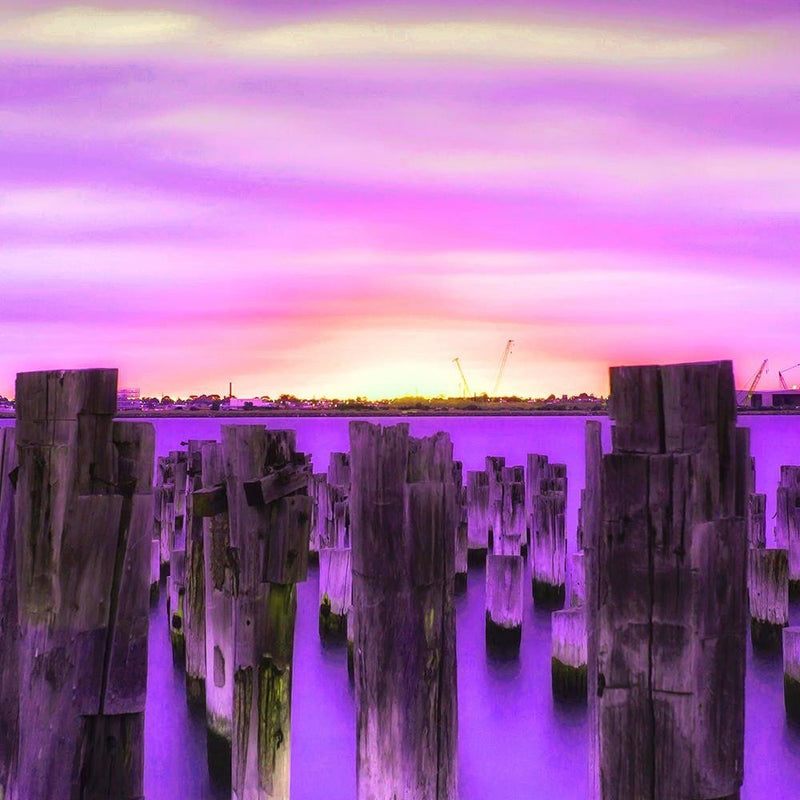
(336, 199)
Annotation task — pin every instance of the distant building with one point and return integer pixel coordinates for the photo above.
(128, 398)
(777, 399)
(250, 402)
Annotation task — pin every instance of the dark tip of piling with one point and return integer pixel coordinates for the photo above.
(313, 557)
(766, 636)
(154, 593)
(218, 751)
(476, 557)
(569, 683)
(791, 698)
(178, 650)
(195, 692)
(460, 583)
(332, 627)
(794, 590)
(502, 642)
(547, 596)
(164, 574)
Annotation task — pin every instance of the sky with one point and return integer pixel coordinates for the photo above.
(336, 199)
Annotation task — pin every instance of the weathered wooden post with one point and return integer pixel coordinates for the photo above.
(668, 594)
(210, 503)
(477, 516)
(591, 526)
(194, 611)
(757, 520)
(338, 483)
(504, 603)
(511, 535)
(787, 529)
(403, 506)
(9, 620)
(155, 570)
(176, 602)
(768, 586)
(791, 672)
(270, 515)
(462, 535)
(549, 534)
(335, 593)
(494, 472)
(318, 491)
(568, 659)
(83, 528)
(577, 591)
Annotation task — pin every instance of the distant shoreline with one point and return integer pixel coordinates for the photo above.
(300, 413)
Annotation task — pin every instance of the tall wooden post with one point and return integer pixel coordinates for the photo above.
(462, 536)
(504, 603)
(768, 589)
(591, 522)
(403, 503)
(270, 518)
(549, 533)
(9, 621)
(668, 594)
(494, 472)
(477, 515)
(787, 528)
(757, 520)
(83, 530)
(791, 672)
(194, 616)
(210, 503)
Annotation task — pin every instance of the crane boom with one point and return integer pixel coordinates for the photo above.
(506, 354)
(754, 383)
(467, 392)
(782, 380)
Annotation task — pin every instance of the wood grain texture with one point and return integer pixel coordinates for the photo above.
(667, 587)
(83, 528)
(403, 507)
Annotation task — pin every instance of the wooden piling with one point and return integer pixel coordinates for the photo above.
(83, 528)
(335, 593)
(504, 603)
(494, 472)
(787, 528)
(9, 620)
(403, 505)
(176, 606)
(577, 591)
(568, 659)
(668, 593)
(768, 587)
(548, 533)
(791, 672)
(155, 570)
(477, 515)
(221, 580)
(269, 534)
(194, 616)
(757, 520)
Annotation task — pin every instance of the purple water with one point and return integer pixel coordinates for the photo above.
(514, 741)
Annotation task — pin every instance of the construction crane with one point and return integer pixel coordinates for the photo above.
(748, 395)
(506, 354)
(782, 380)
(467, 392)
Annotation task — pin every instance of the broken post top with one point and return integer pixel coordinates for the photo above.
(677, 408)
(64, 394)
(395, 478)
